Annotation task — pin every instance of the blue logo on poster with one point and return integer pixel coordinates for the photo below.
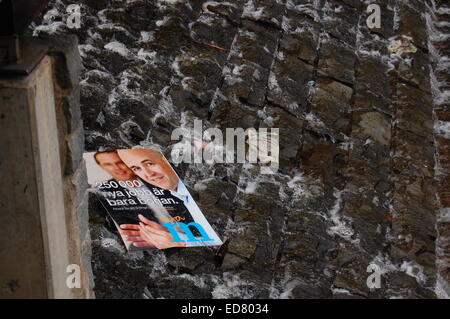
(187, 231)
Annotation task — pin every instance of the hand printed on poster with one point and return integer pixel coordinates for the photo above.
(149, 234)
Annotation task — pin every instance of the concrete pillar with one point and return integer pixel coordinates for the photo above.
(34, 237)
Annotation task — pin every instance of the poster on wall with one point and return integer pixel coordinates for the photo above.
(147, 201)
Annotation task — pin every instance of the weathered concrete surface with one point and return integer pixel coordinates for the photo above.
(57, 118)
(357, 180)
(34, 251)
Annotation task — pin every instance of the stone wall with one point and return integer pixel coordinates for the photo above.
(439, 28)
(357, 181)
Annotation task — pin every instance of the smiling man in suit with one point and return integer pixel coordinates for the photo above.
(114, 166)
(129, 219)
(155, 171)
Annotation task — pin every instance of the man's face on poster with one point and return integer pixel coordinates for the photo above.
(151, 166)
(113, 164)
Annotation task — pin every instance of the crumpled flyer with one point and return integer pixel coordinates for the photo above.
(402, 45)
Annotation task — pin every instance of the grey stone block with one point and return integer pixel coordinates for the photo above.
(80, 183)
(75, 143)
(231, 262)
(82, 216)
(68, 61)
(86, 257)
(71, 109)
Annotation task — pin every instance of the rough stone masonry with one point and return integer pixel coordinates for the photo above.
(364, 141)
